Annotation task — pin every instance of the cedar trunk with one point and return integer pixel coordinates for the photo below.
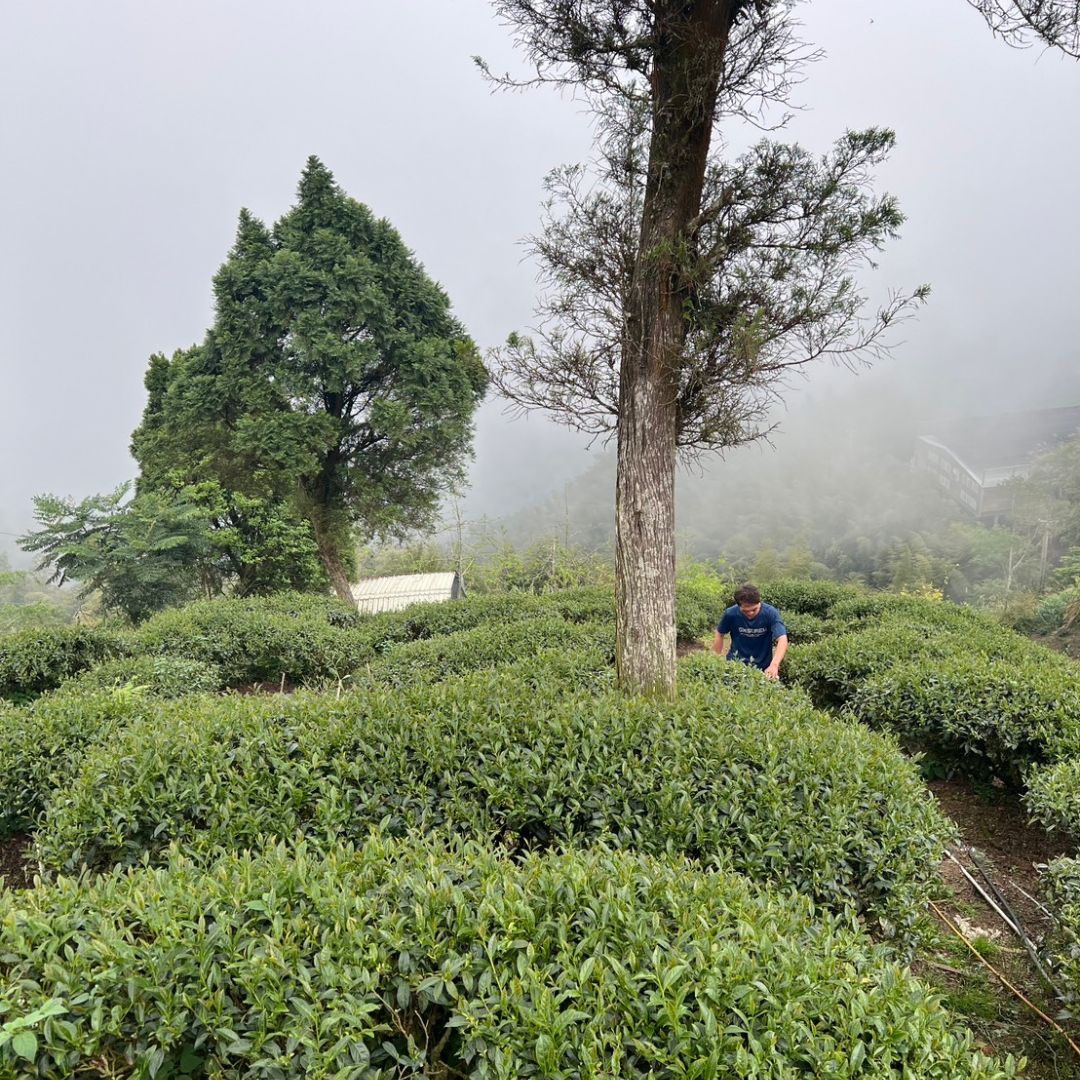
(687, 66)
(330, 558)
(335, 570)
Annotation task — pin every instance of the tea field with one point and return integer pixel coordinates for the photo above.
(452, 849)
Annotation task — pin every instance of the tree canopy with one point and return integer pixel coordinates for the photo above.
(1055, 23)
(334, 388)
(141, 554)
(769, 284)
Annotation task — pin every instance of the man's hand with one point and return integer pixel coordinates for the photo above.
(772, 671)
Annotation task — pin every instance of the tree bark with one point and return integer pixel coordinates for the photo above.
(645, 537)
(331, 560)
(687, 66)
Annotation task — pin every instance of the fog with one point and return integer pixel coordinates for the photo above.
(133, 133)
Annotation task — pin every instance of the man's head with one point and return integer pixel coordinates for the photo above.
(748, 597)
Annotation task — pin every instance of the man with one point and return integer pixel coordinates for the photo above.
(753, 627)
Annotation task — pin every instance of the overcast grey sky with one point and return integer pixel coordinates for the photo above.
(133, 131)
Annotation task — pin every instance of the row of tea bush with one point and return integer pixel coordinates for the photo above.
(521, 756)
(531, 754)
(306, 640)
(976, 698)
(409, 959)
(302, 640)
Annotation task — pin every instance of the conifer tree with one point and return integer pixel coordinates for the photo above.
(334, 388)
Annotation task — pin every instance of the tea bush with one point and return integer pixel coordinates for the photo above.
(983, 716)
(587, 605)
(33, 661)
(832, 669)
(165, 676)
(486, 646)
(733, 773)
(421, 621)
(252, 641)
(805, 629)
(318, 607)
(1053, 796)
(313, 640)
(42, 744)
(836, 665)
(706, 669)
(864, 606)
(558, 670)
(810, 597)
(698, 608)
(1061, 885)
(409, 960)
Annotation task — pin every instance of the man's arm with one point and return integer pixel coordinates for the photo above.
(779, 650)
(718, 644)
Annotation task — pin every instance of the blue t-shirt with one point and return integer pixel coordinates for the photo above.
(752, 639)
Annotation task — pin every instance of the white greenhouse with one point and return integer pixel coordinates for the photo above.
(395, 593)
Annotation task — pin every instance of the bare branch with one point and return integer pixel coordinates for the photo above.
(767, 274)
(1022, 23)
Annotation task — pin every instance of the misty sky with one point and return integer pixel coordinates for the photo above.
(133, 132)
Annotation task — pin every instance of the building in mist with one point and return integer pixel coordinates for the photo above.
(973, 459)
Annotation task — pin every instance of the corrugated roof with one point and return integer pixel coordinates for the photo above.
(398, 592)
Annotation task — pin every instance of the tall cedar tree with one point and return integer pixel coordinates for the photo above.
(682, 288)
(334, 383)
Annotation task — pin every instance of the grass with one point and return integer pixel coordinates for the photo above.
(999, 1020)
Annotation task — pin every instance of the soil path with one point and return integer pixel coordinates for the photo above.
(14, 866)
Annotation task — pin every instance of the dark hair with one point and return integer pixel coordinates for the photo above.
(747, 594)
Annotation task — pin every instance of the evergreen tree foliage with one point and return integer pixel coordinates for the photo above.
(334, 392)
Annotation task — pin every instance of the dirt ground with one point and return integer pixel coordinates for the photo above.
(1011, 849)
(13, 864)
(999, 828)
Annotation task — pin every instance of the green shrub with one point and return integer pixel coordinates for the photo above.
(1052, 610)
(584, 605)
(1061, 885)
(737, 772)
(421, 621)
(165, 676)
(706, 669)
(486, 646)
(257, 640)
(313, 640)
(1053, 796)
(809, 597)
(42, 744)
(920, 610)
(33, 661)
(832, 669)
(804, 629)
(983, 716)
(698, 608)
(318, 607)
(410, 960)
